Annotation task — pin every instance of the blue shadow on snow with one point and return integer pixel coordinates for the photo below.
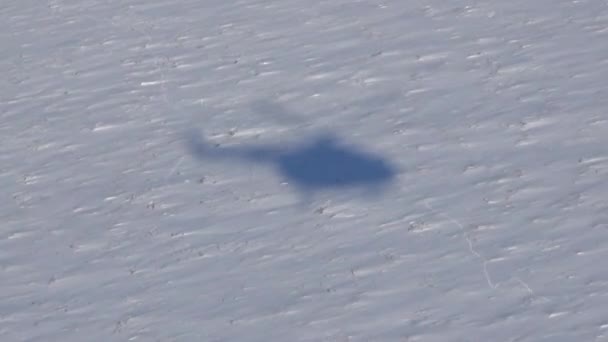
(324, 163)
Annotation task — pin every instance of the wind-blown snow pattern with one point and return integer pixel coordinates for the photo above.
(304, 170)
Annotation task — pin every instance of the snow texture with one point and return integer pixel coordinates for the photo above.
(303, 170)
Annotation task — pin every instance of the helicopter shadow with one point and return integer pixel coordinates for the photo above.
(319, 164)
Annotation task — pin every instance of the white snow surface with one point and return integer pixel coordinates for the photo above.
(491, 115)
